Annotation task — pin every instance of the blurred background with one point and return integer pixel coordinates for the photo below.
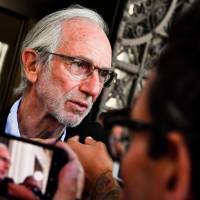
(138, 31)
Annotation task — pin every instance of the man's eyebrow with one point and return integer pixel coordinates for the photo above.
(90, 61)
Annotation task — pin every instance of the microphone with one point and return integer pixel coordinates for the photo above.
(88, 128)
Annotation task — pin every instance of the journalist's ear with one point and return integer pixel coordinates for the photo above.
(178, 177)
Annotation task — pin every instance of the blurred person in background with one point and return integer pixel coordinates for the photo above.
(116, 135)
(4, 161)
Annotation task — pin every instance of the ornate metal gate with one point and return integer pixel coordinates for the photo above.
(141, 37)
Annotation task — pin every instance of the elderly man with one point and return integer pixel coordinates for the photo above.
(66, 62)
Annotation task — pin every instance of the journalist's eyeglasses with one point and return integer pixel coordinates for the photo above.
(81, 69)
(132, 125)
(125, 128)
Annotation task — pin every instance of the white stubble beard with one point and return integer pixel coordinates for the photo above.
(47, 92)
(72, 118)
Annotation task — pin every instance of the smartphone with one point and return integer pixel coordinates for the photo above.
(31, 163)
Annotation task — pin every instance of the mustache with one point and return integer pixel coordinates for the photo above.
(74, 96)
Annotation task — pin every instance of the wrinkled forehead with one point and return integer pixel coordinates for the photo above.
(83, 28)
(81, 21)
(83, 38)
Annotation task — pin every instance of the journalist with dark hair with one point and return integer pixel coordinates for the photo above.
(162, 161)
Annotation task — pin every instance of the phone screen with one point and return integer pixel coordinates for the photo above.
(26, 163)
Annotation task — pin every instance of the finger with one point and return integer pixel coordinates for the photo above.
(75, 138)
(21, 192)
(71, 181)
(73, 142)
(89, 140)
(75, 171)
(80, 183)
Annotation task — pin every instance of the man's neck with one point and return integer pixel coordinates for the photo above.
(34, 121)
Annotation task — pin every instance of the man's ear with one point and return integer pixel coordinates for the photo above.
(179, 180)
(29, 58)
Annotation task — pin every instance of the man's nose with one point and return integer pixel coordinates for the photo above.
(92, 85)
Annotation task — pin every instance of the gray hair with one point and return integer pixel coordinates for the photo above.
(45, 34)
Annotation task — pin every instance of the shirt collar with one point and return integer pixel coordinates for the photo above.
(12, 126)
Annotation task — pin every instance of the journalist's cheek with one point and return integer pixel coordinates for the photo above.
(136, 171)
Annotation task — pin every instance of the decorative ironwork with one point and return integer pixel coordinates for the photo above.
(141, 36)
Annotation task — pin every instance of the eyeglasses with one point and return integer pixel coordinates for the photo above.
(131, 126)
(124, 130)
(81, 69)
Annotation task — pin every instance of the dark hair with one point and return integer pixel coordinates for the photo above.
(175, 93)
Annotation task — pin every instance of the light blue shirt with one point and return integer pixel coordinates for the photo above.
(12, 126)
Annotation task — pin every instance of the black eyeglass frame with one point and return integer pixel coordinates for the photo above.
(112, 75)
(135, 125)
(159, 143)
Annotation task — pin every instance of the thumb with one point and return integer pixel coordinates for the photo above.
(71, 181)
(74, 138)
(90, 140)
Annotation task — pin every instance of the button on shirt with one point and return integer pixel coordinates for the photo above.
(12, 126)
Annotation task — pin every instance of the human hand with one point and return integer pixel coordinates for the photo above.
(93, 156)
(21, 192)
(71, 177)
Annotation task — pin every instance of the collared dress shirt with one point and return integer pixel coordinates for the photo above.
(12, 125)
